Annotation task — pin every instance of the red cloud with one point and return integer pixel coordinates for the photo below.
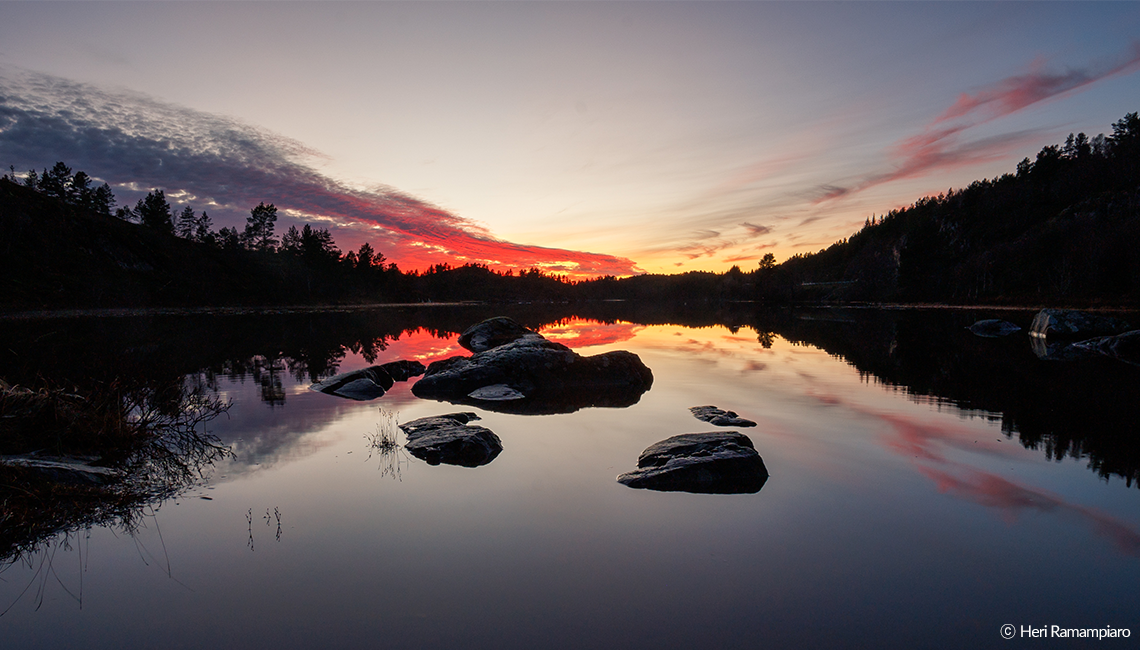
(416, 234)
(138, 143)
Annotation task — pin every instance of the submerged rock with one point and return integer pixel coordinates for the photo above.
(449, 439)
(532, 375)
(719, 417)
(369, 383)
(1073, 324)
(720, 462)
(71, 471)
(993, 328)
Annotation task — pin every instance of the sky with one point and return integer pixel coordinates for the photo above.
(580, 138)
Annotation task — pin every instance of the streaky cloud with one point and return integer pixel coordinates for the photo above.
(756, 230)
(137, 143)
(937, 146)
(1019, 91)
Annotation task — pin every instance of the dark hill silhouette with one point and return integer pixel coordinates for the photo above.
(1065, 227)
(53, 254)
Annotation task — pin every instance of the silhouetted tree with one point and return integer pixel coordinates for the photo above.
(366, 257)
(291, 241)
(202, 232)
(317, 246)
(153, 211)
(56, 182)
(186, 224)
(258, 233)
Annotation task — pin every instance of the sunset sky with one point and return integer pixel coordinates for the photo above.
(581, 138)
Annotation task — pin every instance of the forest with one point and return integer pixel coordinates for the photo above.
(1062, 228)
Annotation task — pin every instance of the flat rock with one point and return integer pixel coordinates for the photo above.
(449, 439)
(719, 417)
(719, 462)
(72, 471)
(993, 328)
(1074, 324)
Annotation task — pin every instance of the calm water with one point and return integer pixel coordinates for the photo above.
(927, 487)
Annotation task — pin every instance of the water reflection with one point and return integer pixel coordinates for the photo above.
(1083, 409)
(874, 499)
(118, 454)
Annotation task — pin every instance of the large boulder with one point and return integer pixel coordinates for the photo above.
(720, 462)
(993, 328)
(1071, 324)
(494, 332)
(719, 417)
(368, 383)
(450, 440)
(531, 375)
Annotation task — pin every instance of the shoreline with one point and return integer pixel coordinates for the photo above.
(264, 310)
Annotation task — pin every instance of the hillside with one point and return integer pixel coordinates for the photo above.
(1064, 228)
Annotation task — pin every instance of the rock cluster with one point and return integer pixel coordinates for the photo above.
(516, 370)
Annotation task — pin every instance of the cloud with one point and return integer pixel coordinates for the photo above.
(1019, 91)
(756, 230)
(937, 147)
(225, 166)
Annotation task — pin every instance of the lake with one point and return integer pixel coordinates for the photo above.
(927, 486)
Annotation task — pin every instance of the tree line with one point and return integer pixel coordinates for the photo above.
(1063, 225)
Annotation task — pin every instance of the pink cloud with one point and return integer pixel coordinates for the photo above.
(937, 147)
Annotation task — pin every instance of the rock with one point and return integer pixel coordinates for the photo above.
(720, 462)
(1074, 324)
(449, 439)
(70, 471)
(531, 375)
(494, 332)
(719, 417)
(495, 393)
(369, 383)
(993, 328)
(1124, 347)
(403, 370)
(360, 385)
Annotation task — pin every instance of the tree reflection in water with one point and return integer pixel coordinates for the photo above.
(106, 458)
